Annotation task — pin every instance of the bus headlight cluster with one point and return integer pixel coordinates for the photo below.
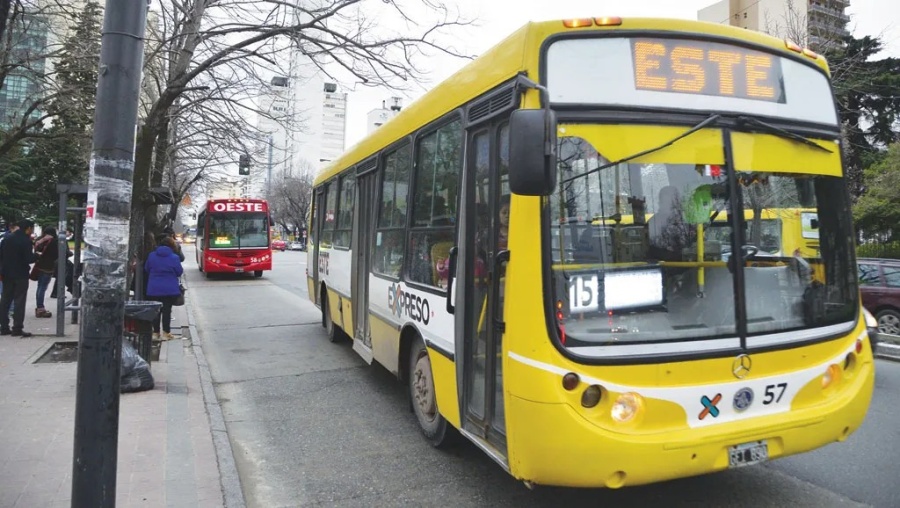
(626, 407)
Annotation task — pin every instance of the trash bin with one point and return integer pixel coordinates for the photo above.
(139, 319)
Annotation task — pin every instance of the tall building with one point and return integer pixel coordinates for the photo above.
(305, 121)
(319, 117)
(28, 36)
(377, 117)
(813, 23)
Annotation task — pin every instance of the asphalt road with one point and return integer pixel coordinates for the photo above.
(313, 425)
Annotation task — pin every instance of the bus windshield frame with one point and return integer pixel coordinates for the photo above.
(238, 230)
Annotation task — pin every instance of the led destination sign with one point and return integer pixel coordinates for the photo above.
(706, 68)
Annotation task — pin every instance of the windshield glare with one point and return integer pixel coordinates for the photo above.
(629, 265)
(232, 230)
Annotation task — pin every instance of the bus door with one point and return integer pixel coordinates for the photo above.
(317, 227)
(483, 246)
(363, 232)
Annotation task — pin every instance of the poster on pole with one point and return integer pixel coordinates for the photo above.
(90, 212)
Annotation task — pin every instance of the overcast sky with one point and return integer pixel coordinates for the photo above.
(495, 19)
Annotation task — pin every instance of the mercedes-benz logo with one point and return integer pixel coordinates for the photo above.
(740, 367)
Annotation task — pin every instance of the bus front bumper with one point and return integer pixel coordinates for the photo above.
(557, 446)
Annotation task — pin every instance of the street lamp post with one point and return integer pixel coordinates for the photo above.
(269, 175)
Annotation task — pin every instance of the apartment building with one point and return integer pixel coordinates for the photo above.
(816, 24)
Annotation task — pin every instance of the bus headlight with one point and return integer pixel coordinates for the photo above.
(626, 407)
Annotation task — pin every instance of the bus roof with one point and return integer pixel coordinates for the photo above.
(517, 53)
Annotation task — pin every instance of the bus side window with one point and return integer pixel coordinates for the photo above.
(390, 236)
(438, 167)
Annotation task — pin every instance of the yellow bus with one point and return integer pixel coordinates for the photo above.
(457, 247)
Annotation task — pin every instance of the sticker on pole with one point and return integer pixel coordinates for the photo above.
(90, 212)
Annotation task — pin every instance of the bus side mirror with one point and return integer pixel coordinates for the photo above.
(532, 152)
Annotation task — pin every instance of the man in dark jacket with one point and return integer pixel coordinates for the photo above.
(16, 254)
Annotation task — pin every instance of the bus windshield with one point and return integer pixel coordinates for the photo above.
(641, 253)
(234, 230)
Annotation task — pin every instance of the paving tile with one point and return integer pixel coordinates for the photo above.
(37, 404)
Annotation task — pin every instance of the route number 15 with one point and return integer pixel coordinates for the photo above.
(584, 294)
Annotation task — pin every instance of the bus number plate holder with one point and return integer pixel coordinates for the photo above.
(238, 270)
(748, 454)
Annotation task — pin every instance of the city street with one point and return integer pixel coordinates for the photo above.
(312, 424)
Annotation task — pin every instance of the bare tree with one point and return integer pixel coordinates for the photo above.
(223, 47)
(28, 47)
(289, 199)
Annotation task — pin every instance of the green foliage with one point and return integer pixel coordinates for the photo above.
(867, 90)
(889, 250)
(877, 212)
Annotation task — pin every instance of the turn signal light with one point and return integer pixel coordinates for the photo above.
(626, 407)
(578, 23)
(832, 375)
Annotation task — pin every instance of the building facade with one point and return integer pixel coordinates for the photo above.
(378, 117)
(816, 24)
(28, 37)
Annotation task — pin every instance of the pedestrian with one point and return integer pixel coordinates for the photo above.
(16, 254)
(47, 251)
(163, 269)
(69, 278)
(9, 231)
(168, 231)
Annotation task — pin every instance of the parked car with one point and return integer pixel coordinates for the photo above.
(279, 245)
(296, 246)
(879, 284)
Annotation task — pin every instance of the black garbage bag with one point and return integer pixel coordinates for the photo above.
(134, 375)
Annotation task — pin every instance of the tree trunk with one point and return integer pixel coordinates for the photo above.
(140, 195)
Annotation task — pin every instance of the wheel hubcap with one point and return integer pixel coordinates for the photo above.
(889, 324)
(423, 392)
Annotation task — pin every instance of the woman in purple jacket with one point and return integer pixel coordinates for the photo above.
(163, 268)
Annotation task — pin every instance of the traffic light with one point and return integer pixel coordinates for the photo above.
(244, 165)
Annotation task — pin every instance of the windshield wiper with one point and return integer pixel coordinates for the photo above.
(778, 131)
(710, 120)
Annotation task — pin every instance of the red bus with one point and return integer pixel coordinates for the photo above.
(233, 237)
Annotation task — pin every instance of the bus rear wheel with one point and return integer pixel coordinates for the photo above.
(423, 400)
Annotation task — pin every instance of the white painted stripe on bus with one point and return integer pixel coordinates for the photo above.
(689, 397)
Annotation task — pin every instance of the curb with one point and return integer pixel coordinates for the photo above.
(888, 347)
(228, 475)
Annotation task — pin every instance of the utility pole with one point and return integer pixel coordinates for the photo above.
(106, 260)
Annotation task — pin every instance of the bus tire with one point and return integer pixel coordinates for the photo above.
(257, 273)
(335, 334)
(422, 397)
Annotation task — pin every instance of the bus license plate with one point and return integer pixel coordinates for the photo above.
(748, 454)
(239, 270)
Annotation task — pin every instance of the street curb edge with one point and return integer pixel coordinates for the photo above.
(229, 479)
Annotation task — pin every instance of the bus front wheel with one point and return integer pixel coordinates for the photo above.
(422, 397)
(257, 273)
(335, 334)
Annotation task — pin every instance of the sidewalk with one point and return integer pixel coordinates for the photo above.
(167, 455)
